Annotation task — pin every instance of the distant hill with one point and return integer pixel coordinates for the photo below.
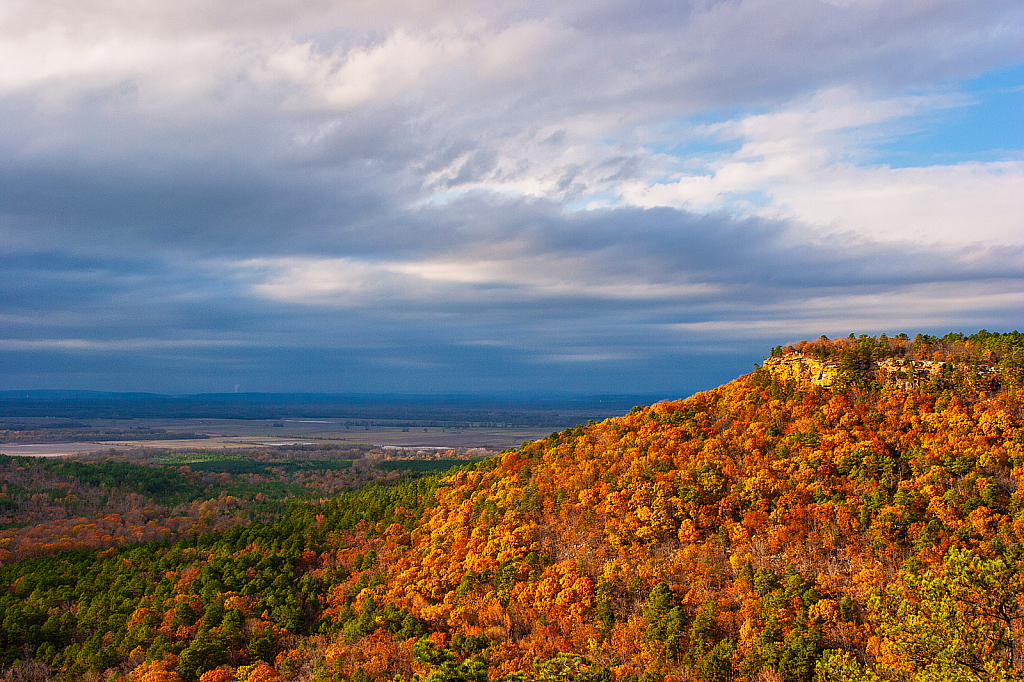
(537, 411)
(864, 526)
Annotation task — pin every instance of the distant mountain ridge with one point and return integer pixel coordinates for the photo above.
(547, 411)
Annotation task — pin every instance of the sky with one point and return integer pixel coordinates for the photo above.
(474, 197)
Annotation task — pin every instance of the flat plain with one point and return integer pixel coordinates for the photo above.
(247, 433)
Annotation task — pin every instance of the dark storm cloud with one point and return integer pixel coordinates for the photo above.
(667, 244)
(388, 196)
(612, 288)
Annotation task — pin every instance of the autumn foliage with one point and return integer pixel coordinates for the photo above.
(770, 529)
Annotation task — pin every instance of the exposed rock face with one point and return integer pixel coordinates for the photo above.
(901, 372)
(801, 368)
(906, 373)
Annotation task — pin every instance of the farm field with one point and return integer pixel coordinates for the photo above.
(245, 433)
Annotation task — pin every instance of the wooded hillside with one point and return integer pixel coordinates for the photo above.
(770, 529)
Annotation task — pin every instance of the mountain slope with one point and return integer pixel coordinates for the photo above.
(779, 527)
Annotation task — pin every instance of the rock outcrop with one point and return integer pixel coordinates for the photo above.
(902, 372)
(801, 368)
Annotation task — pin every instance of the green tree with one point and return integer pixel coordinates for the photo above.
(204, 653)
(961, 623)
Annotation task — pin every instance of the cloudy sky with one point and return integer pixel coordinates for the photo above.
(460, 196)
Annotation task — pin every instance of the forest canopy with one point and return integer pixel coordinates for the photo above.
(773, 528)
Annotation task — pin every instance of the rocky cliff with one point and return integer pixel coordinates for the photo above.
(902, 372)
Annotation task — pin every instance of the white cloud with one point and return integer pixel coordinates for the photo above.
(928, 306)
(63, 63)
(524, 50)
(346, 282)
(962, 203)
(812, 161)
(350, 76)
